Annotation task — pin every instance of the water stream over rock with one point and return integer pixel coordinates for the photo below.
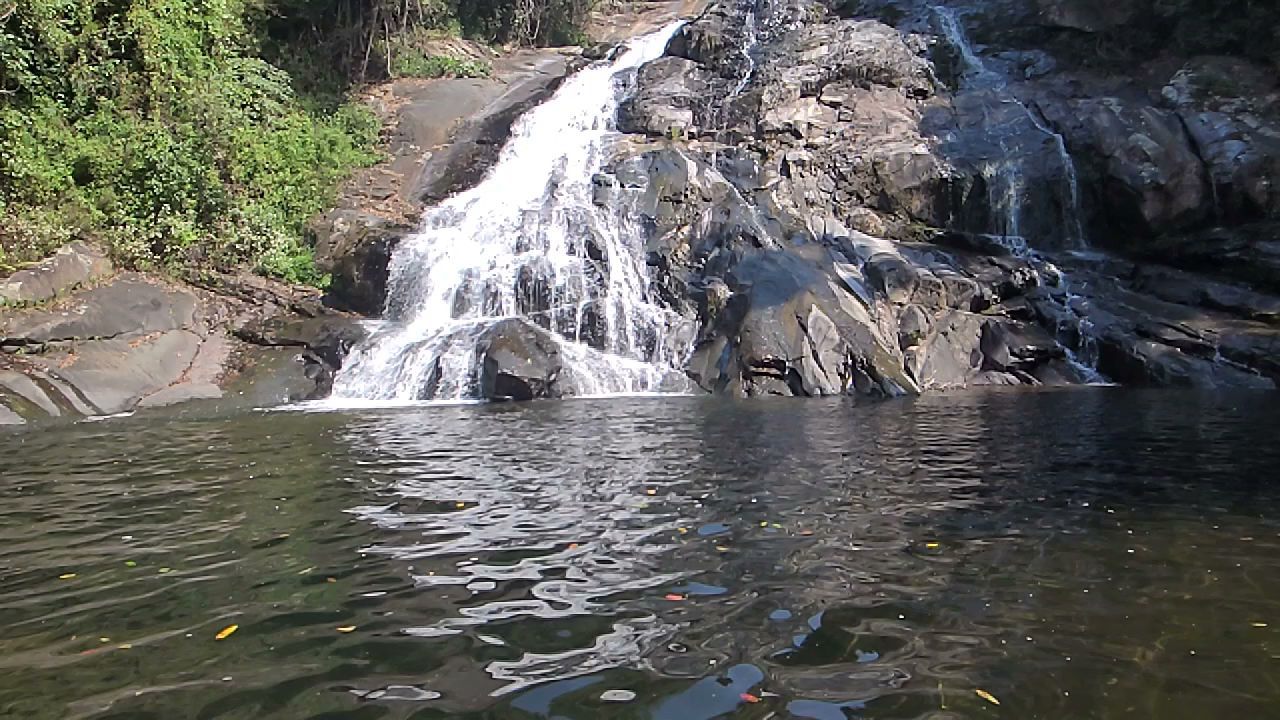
(526, 270)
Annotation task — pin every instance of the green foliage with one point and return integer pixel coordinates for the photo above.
(149, 126)
(196, 134)
(411, 62)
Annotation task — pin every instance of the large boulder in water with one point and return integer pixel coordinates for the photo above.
(520, 361)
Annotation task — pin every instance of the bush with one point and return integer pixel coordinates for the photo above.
(201, 135)
(153, 130)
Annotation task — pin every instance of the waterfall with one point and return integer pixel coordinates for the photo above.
(1008, 185)
(529, 241)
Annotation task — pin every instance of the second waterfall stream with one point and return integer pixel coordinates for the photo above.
(529, 241)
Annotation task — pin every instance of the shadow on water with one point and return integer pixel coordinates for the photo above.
(1088, 553)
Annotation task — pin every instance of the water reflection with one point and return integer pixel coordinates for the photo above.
(1073, 554)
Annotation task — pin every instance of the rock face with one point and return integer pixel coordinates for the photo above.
(885, 206)
(132, 341)
(520, 361)
(73, 266)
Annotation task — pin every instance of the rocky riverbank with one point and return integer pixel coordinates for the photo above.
(875, 203)
(80, 338)
(843, 198)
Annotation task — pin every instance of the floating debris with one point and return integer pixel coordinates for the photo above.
(617, 696)
(66, 576)
(749, 698)
(674, 597)
(346, 629)
(226, 632)
(986, 696)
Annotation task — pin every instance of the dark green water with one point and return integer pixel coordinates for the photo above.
(1076, 554)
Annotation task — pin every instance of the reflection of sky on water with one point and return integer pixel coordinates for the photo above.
(532, 523)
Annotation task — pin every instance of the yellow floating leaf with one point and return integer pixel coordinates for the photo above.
(347, 629)
(764, 523)
(226, 632)
(164, 570)
(331, 580)
(932, 546)
(104, 639)
(66, 576)
(777, 526)
(987, 696)
(126, 646)
(651, 491)
(683, 531)
(722, 548)
(1259, 625)
(462, 505)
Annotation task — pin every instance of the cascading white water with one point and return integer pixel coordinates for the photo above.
(1009, 187)
(529, 241)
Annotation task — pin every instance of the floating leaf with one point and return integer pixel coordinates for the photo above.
(461, 505)
(722, 548)
(162, 571)
(674, 597)
(306, 571)
(987, 696)
(748, 697)
(225, 632)
(331, 580)
(347, 629)
(104, 639)
(617, 696)
(130, 563)
(932, 546)
(125, 646)
(66, 576)
(1259, 624)
(650, 491)
(683, 531)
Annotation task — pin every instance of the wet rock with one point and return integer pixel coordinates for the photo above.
(324, 343)
(520, 361)
(1157, 179)
(355, 249)
(669, 101)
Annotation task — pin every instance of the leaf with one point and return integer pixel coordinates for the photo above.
(130, 563)
(66, 576)
(748, 697)
(226, 632)
(674, 597)
(987, 696)
(162, 571)
(1259, 624)
(932, 546)
(347, 629)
